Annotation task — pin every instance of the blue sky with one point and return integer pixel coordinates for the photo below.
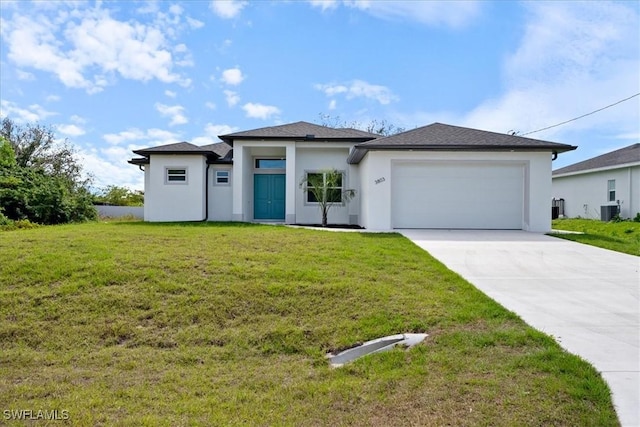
(115, 76)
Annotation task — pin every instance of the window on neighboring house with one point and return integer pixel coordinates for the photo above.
(334, 192)
(222, 177)
(176, 175)
(611, 188)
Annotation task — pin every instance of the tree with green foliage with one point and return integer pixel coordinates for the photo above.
(326, 189)
(119, 196)
(379, 127)
(7, 156)
(40, 179)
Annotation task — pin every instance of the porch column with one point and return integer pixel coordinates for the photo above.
(237, 213)
(292, 184)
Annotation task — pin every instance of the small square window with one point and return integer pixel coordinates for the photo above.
(611, 189)
(222, 177)
(176, 175)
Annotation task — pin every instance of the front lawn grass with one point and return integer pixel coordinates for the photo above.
(623, 236)
(228, 324)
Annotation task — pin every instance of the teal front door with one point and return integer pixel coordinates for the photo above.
(268, 196)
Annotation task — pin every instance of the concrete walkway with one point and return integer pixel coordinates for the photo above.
(583, 296)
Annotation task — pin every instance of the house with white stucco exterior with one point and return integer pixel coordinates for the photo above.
(591, 187)
(436, 176)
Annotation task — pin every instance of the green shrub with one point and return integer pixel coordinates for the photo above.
(40, 180)
(25, 224)
(617, 218)
(4, 220)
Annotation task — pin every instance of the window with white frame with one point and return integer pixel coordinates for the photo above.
(611, 190)
(222, 177)
(176, 175)
(324, 181)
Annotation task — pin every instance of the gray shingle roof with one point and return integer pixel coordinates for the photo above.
(300, 130)
(626, 155)
(438, 136)
(139, 161)
(222, 149)
(362, 133)
(219, 151)
(441, 135)
(177, 148)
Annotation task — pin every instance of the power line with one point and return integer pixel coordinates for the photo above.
(584, 115)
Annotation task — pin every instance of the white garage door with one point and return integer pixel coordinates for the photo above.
(479, 195)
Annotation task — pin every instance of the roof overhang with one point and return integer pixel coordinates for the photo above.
(595, 170)
(210, 156)
(148, 151)
(230, 140)
(219, 162)
(139, 161)
(359, 151)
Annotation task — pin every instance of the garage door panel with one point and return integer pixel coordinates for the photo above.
(457, 195)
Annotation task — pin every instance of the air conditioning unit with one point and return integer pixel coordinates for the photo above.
(607, 213)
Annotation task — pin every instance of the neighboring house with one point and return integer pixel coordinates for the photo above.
(436, 176)
(612, 179)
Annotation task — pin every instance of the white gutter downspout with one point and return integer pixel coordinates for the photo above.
(630, 192)
(206, 194)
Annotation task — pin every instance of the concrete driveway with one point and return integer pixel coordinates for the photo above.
(583, 296)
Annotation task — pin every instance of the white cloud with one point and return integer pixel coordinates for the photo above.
(137, 52)
(211, 133)
(224, 46)
(227, 9)
(150, 7)
(359, 89)
(260, 111)
(33, 113)
(232, 98)
(210, 105)
(574, 58)
(126, 135)
(332, 89)
(108, 164)
(110, 167)
(194, 23)
(160, 137)
(634, 136)
(52, 98)
(332, 104)
(212, 129)
(183, 56)
(77, 119)
(176, 9)
(232, 76)
(324, 4)
(71, 130)
(170, 93)
(454, 14)
(175, 112)
(150, 137)
(86, 48)
(23, 75)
